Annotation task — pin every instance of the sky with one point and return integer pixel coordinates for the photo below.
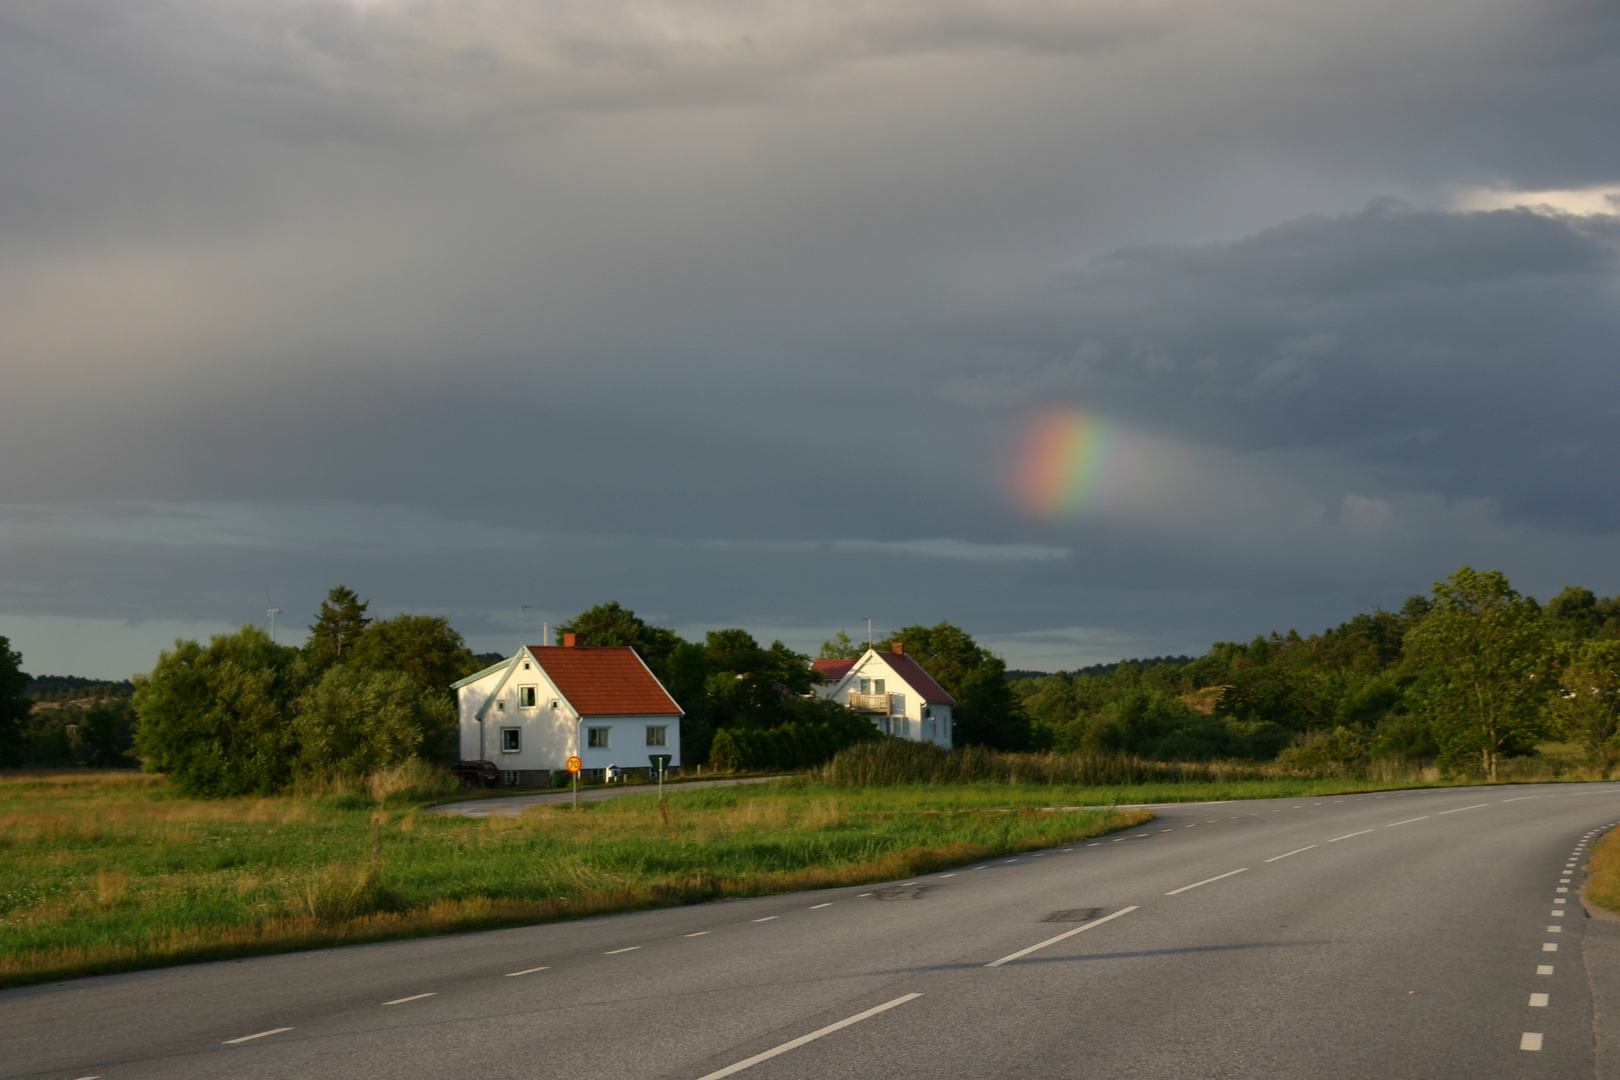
(1101, 329)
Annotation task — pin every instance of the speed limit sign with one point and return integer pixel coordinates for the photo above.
(574, 764)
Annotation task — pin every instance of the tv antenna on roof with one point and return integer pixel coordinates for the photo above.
(270, 613)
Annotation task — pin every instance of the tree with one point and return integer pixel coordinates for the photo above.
(611, 624)
(218, 719)
(354, 721)
(1481, 660)
(14, 707)
(424, 647)
(840, 648)
(341, 621)
(1586, 707)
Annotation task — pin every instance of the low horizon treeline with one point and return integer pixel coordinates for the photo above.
(1468, 676)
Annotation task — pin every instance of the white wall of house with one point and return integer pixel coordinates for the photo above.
(909, 716)
(527, 711)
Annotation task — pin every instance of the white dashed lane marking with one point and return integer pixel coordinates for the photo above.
(1348, 835)
(1538, 1001)
(1054, 940)
(1544, 969)
(1530, 1040)
(700, 933)
(526, 971)
(616, 952)
(1285, 854)
(1206, 881)
(802, 1039)
(248, 1038)
(413, 997)
(1549, 946)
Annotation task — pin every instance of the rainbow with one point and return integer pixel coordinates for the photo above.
(1061, 464)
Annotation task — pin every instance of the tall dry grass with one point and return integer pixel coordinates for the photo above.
(897, 762)
(1603, 872)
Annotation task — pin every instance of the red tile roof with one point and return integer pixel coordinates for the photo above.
(833, 669)
(606, 680)
(919, 680)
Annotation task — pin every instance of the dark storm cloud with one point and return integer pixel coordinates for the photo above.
(737, 313)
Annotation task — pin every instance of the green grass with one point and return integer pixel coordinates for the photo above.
(107, 872)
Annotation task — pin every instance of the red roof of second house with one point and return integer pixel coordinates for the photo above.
(919, 680)
(604, 680)
(833, 669)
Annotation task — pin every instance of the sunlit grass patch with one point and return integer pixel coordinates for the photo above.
(107, 874)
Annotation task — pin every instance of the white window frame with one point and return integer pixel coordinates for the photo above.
(528, 697)
(599, 738)
(662, 731)
(515, 737)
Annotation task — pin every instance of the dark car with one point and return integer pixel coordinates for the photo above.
(477, 772)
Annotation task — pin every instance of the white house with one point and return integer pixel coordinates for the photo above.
(890, 687)
(531, 713)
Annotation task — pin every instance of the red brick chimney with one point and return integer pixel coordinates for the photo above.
(898, 647)
(570, 641)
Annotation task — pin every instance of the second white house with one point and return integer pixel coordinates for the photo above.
(894, 691)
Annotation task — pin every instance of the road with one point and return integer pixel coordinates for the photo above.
(1424, 934)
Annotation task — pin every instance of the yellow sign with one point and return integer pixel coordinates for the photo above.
(574, 764)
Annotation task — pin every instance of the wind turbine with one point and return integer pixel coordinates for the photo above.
(270, 612)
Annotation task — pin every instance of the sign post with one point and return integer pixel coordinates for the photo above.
(660, 762)
(573, 768)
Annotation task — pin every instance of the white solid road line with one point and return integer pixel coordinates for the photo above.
(1206, 881)
(526, 971)
(1285, 854)
(1460, 809)
(802, 1039)
(1348, 835)
(1054, 940)
(1408, 821)
(413, 997)
(1530, 1040)
(250, 1038)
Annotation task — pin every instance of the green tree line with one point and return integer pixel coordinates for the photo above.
(1468, 675)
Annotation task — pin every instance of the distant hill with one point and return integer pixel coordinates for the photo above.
(73, 687)
(1151, 661)
(1015, 674)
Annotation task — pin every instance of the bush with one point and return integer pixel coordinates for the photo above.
(790, 746)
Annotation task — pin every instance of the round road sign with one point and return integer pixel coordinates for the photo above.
(574, 764)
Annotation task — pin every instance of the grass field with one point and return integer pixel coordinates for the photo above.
(108, 872)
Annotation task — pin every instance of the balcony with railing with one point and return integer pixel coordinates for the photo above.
(871, 703)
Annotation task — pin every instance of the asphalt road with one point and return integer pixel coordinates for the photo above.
(1425, 934)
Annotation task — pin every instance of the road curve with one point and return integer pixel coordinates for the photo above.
(1423, 934)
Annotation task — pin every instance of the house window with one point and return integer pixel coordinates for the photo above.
(597, 738)
(511, 740)
(526, 696)
(871, 686)
(500, 706)
(658, 736)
